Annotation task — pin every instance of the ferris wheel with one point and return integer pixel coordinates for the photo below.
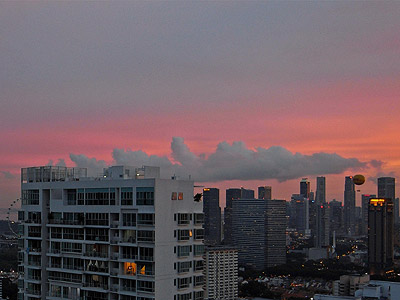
(11, 222)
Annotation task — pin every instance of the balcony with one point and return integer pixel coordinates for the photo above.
(33, 292)
(128, 289)
(33, 221)
(114, 224)
(96, 285)
(96, 254)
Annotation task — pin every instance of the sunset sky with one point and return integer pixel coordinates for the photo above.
(203, 88)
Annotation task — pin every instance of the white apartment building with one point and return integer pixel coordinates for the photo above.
(221, 273)
(128, 235)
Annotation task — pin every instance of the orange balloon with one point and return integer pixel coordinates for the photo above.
(358, 179)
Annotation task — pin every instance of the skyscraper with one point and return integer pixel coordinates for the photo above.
(258, 231)
(387, 189)
(126, 235)
(380, 235)
(364, 212)
(265, 192)
(336, 216)
(212, 216)
(322, 229)
(232, 194)
(321, 211)
(321, 191)
(349, 205)
(221, 273)
(300, 213)
(276, 232)
(305, 188)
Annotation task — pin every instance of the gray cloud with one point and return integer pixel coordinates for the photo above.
(376, 163)
(94, 166)
(8, 175)
(231, 162)
(374, 179)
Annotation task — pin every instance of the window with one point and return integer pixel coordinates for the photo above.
(146, 236)
(145, 196)
(174, 196)
(184, 235)
(199, 234)
(30, 197)
(183, 219)
(146, 286)
(187, 296)
(198, 219)
(184, 266)
(146, 219)
(73, 233)
(198, 250)
(198, 280)
(34, 231)
(71, 247)
(56, 233)
(97, 219)
(198, 265)
(129, 219)
(129, 285)
(146, 254)
(126, 196)
(180, 196)
(97, 234)
(130, 252)
(98, 196)
(198, 295)
(81, 196)
(183, 251)
(184, 282)
(71, 197)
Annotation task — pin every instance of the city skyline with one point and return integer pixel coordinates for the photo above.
(92, 82)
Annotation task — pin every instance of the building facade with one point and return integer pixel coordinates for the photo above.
(221, 273)
(276, 225)
(259, 231)
(349, 206)
(232, 194)
(265, 192)
(212, 216)
(128, 235)
(387, 189)
(380, 235)
(364, 212)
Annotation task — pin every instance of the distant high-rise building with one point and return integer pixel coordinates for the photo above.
(248, 231)
(380, 235)
(321, 191)
(276, 232)
(349, 205)
(322, 229)
(232, 194)
(387, 189)
(258, 231)
(265, 192)
(364, 212)
(335, 216)
(305, 188)
(212, 216)
(221, 273)
(300, 213)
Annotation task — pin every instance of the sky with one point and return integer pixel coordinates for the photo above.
(233, 93)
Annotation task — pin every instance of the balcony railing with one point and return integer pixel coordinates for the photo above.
(95, 285)
(96, 254)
